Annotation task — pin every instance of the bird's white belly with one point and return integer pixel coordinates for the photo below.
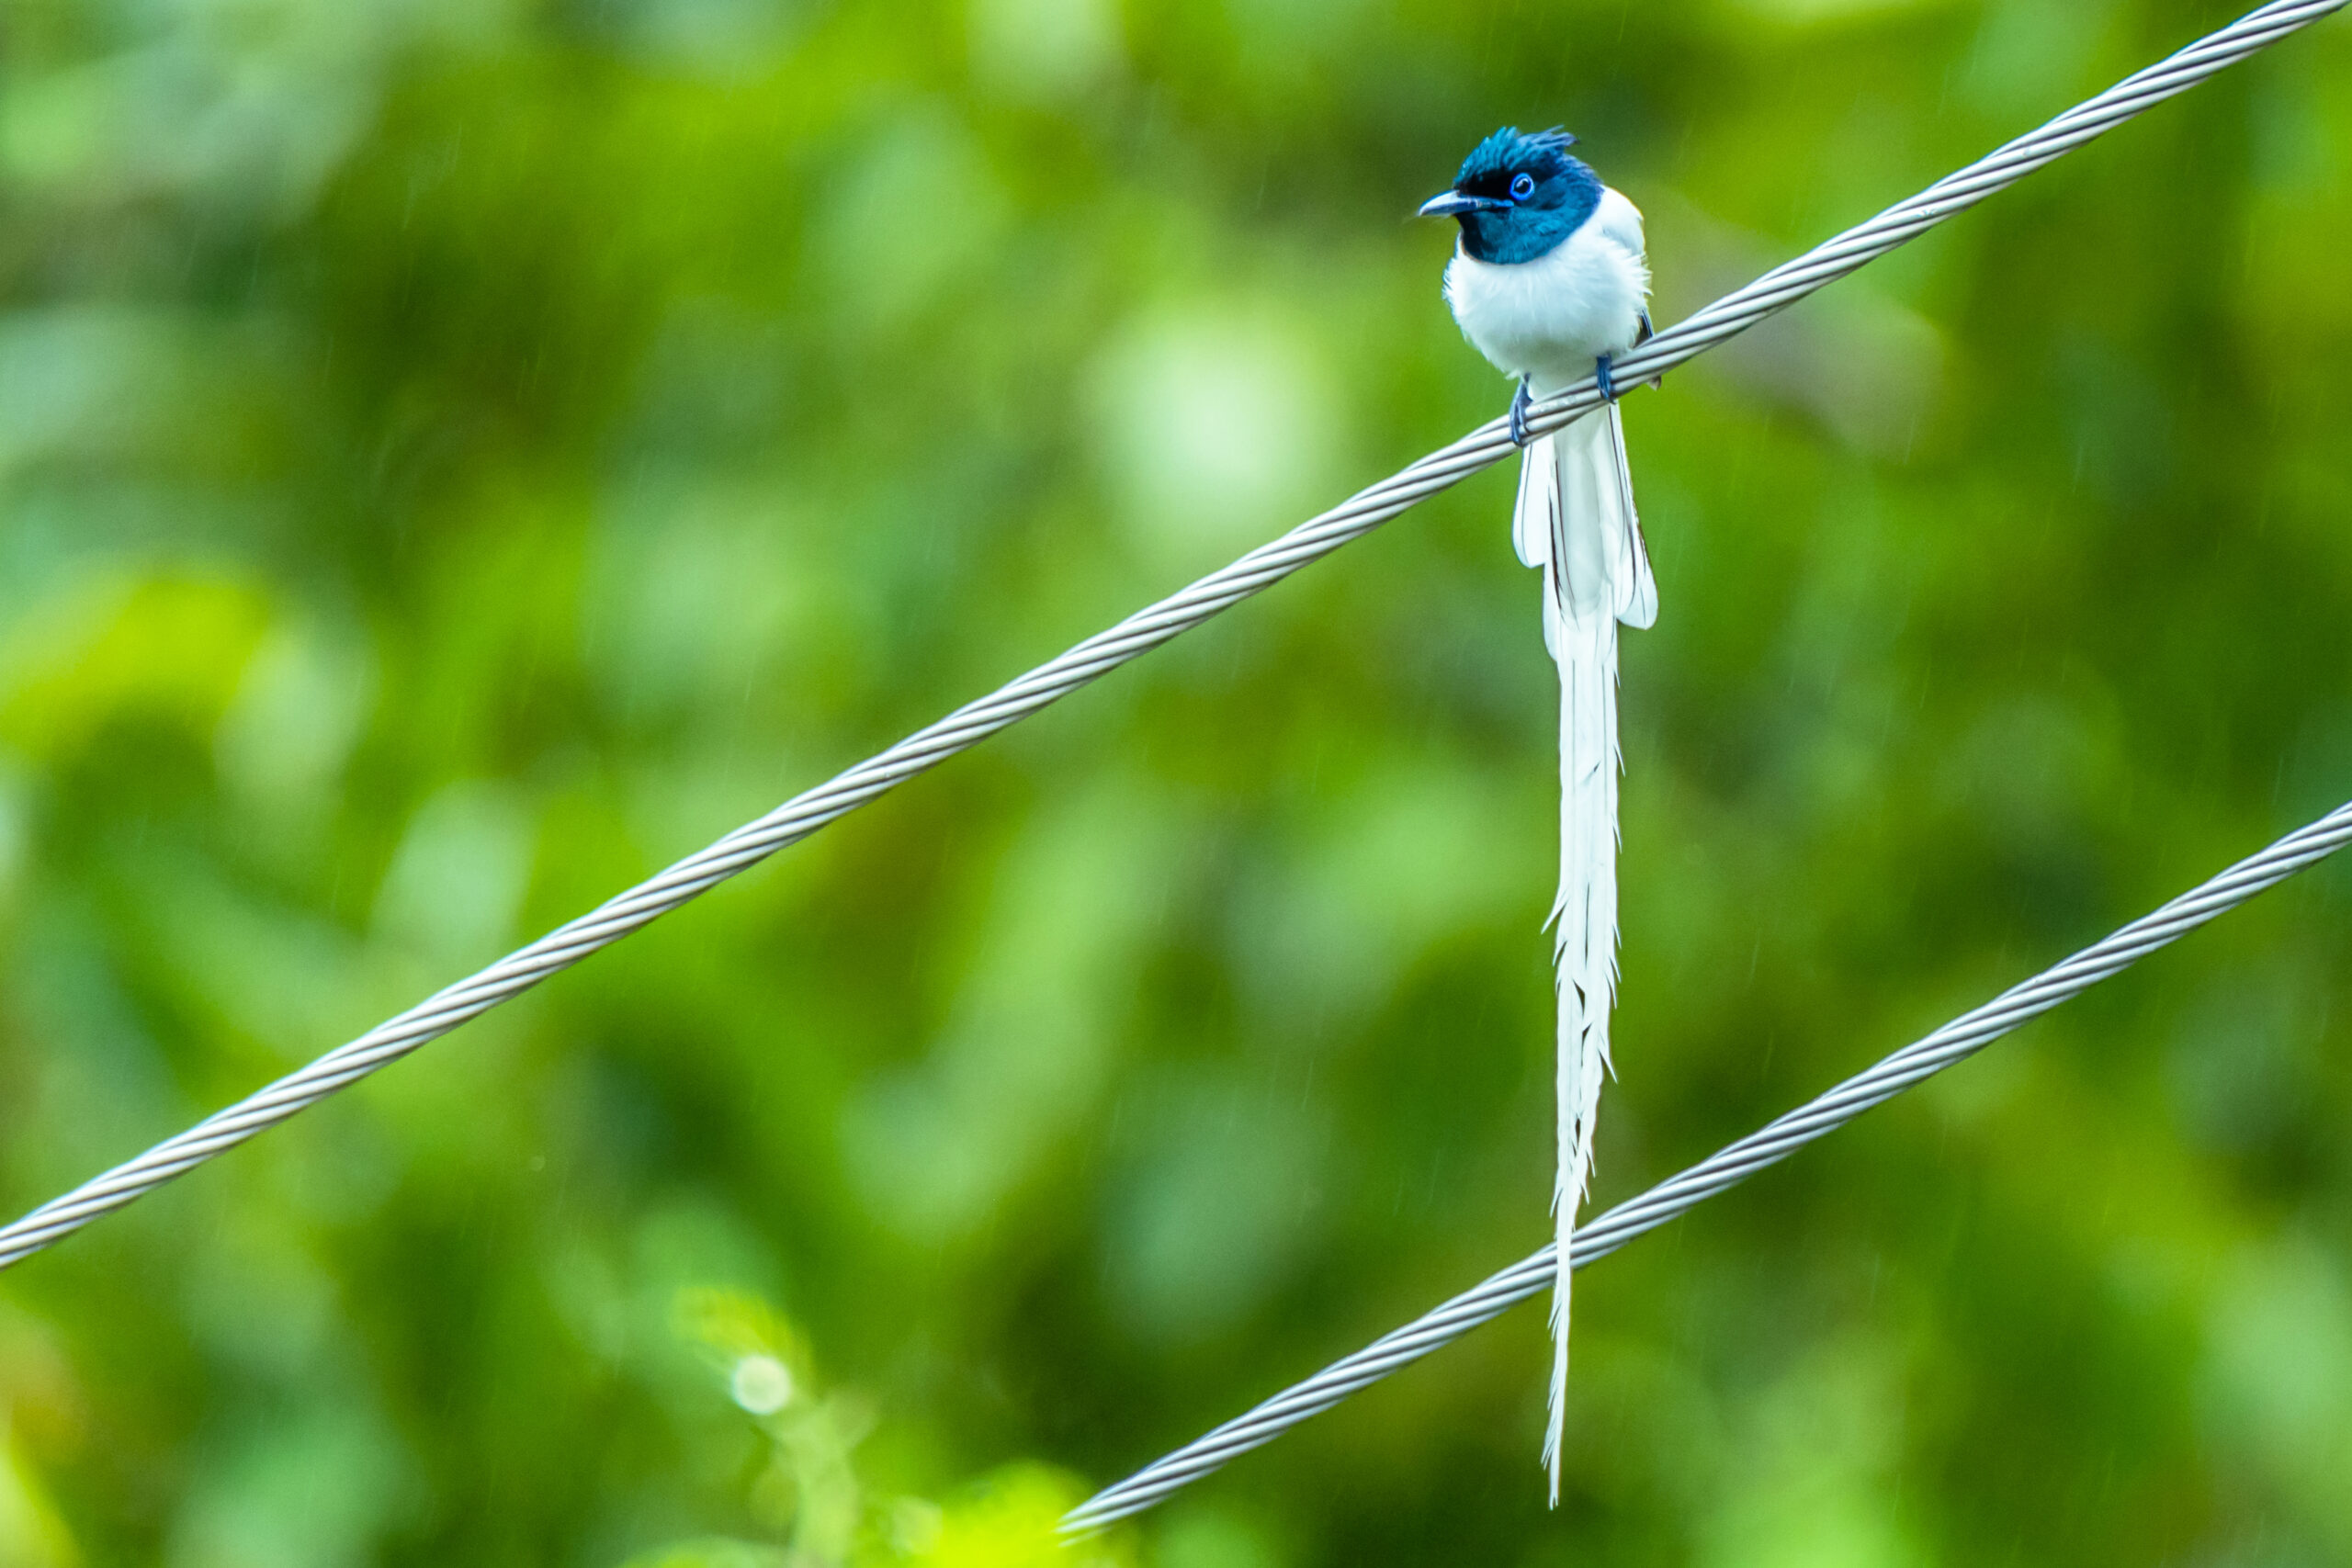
(1549, 319)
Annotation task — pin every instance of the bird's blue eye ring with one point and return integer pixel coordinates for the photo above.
(1522, 185)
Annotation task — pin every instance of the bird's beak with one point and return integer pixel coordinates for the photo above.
(1454, 204)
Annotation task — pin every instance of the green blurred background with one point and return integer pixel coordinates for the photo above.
(455, 458)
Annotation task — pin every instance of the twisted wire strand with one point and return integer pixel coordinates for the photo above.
(1130, 638)
(1955, 1041)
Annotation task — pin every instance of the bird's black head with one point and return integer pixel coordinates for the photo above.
(1518, 195)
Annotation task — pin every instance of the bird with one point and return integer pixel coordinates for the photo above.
(1550, 280)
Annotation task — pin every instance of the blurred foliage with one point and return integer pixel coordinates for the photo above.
(456, 455)
(807, 1493)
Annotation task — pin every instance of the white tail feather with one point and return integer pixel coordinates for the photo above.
(1576, 520)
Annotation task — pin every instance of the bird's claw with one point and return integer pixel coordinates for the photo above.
(1521, 401)
(1604, 371)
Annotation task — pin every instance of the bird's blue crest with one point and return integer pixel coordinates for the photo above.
(1509, 151)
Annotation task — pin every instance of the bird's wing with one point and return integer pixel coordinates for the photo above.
(1621, 221)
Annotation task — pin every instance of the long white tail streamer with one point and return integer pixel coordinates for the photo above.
(1954, 1042)
(1576, 520)
(1137, 635)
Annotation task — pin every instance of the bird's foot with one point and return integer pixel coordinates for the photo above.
(1521, 401)
(1604, 371)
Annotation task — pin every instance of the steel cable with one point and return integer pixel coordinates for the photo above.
(1139, 634)
(1818, 1118)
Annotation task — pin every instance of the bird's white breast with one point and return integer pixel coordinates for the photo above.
(1550, 318)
